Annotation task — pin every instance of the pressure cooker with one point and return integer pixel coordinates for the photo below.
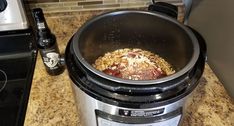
(104, 100)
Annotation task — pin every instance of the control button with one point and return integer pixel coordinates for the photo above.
(3, 5)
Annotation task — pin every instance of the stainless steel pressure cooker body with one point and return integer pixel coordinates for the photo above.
(104, 100)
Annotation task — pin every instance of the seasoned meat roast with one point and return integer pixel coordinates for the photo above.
(133, 64)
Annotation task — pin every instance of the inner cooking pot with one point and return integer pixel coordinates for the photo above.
(149, 31)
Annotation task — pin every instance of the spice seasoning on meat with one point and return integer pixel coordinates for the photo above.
(133, 64)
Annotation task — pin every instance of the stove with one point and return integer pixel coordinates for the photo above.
(12, 15)
(15, 82)
(17, 62)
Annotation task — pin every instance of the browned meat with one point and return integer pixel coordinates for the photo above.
(134, 64)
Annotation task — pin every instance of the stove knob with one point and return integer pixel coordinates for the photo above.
(3, 5)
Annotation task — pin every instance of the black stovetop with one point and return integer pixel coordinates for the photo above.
(11, 102)
(14, 96)
(18, 65)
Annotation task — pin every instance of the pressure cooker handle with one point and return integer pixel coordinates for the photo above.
(165, 8)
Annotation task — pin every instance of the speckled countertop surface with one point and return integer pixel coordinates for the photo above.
(51, 102)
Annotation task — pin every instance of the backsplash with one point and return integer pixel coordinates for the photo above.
(50, 6)
(60, 6)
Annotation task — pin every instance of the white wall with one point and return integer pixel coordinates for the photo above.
(214, 19)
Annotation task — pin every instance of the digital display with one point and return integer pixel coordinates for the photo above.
(141, 113)
(170, 122)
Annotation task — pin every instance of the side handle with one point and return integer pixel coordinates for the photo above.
(165, 8)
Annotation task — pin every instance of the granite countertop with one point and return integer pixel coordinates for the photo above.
(51, 101)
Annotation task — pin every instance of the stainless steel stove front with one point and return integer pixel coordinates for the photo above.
(13, 16)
